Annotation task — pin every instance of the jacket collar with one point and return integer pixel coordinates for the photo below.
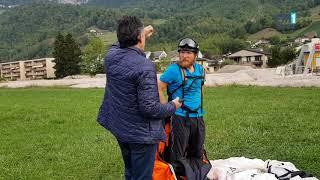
(139, 51)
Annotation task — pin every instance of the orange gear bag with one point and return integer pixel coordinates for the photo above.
(163, 170)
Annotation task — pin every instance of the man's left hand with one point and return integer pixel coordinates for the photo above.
(148, 31)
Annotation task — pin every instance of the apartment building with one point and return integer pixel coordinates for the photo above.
(28, 70)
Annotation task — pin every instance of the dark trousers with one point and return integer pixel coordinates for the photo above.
(138, 160)
(188, 136)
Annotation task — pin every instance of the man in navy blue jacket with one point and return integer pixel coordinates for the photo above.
(131, 109)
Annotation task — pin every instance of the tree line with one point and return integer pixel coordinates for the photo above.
(70, 60)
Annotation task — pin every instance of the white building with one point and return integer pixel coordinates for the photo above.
(29, 69)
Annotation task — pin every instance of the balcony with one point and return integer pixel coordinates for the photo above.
(28, 69)
(39, 68)
(27, 64)
(29, 73)
(5, 67)
(14, 66)
(37, 63)
(257, 63)
(5, 71)
(39, 73)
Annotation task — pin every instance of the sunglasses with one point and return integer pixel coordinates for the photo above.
(187, 42)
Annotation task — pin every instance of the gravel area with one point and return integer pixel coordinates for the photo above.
(263, 77)
(244, 76)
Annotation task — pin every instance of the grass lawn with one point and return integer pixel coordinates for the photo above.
(315, 26)
(108, 37)
(51, 133)
(315, 15)
(2, 11)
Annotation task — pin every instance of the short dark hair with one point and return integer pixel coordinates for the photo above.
(129, 29)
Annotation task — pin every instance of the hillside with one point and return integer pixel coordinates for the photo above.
(23, 2)
(27, 31)
(264, 34)
(315, 25)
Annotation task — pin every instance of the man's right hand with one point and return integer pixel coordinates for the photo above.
(177, 103)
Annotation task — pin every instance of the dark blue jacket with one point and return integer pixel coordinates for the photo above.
(131, 109)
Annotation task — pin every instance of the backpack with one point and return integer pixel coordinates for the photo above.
(183, 84)
(163, 170)
(195, 169)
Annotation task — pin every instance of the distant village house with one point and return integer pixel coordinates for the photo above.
(250, 56)
(158, 55)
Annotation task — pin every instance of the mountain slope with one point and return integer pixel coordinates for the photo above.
(28, 30)
(23, 2)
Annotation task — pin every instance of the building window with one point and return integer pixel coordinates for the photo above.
(248, 59)
(258, 58)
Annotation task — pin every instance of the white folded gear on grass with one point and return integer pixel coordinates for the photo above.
(241, 168)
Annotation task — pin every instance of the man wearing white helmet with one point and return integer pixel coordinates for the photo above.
(185, 80)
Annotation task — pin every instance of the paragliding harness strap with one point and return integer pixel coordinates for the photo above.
(183, 84)
(288, 174)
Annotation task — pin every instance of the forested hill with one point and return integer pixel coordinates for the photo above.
(28, 30)
(24, 2)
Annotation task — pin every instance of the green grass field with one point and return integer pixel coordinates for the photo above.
(51, 133)
(2, 11)
(315, 15)
(108, 37)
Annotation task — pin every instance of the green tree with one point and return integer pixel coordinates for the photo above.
(67, 56)
(163, 64)
(92, 57)
(58, 54)
(275, 57)
(288, 54)
(239, 32)
(281, 56)
(221, 44)
(275, 40)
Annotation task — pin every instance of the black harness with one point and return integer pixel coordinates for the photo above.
(183, 84)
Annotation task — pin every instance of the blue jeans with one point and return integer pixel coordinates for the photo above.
(138, 160)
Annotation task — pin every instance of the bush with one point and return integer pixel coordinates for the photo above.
(281, 56)
(227, 62)
(92, 58)
(162, 65)
(2, 79)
